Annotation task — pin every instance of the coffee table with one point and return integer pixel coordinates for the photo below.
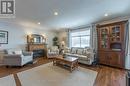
(71, 62)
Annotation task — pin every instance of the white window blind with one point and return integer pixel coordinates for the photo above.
(80, 38)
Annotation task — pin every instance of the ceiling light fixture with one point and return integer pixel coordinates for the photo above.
(55, 13)
(106, 14)
(39, 23)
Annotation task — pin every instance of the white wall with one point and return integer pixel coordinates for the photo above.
(63, 36)
(18, 32)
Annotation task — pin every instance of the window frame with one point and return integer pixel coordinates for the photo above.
(80, 36)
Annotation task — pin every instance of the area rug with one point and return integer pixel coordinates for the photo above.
(49, 75)
(7, 81)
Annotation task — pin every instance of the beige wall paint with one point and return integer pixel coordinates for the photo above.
(63, 36)
(17, 34)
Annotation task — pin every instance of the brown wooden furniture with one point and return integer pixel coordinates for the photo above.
(31, 47)
(37, 44)
(71, 62)
(111, 44)
(39, 50)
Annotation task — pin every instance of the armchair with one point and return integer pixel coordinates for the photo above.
(17, 58)
(52, 52)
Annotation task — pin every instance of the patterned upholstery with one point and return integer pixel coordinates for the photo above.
(53, 52)
(73, 50)
(85, 55)
(17, 58)
(80, 51)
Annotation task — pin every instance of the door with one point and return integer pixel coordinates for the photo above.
(116, 59)
(103, 58)
(115, 33)
(104, 38)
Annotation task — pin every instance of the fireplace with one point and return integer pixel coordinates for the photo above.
(39, 50)
(39, 53)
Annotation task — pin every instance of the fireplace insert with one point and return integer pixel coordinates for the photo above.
(39, 53)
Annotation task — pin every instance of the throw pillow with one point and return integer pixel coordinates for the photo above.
(80, 51)
(9, 51)
(18, 52)
(73, 50)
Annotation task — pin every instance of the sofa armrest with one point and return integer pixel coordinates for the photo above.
(90, 55)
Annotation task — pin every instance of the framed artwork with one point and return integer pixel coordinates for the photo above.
(3, 37)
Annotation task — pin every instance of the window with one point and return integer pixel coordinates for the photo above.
(80, 38)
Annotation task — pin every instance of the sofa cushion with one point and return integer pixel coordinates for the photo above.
(82, 57)
(75, 55)
(89, 49)
(85, 52)
(67, 50)
(70, 54)
(80, 51)
(73, 50)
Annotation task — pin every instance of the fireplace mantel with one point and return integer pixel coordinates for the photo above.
(34, 47)
(31, 47)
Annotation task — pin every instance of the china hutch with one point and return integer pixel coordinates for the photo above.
(111, 44)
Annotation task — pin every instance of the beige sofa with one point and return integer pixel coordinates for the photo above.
(17, 58)
(84, 55)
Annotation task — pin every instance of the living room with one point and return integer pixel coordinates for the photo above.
(64, 43)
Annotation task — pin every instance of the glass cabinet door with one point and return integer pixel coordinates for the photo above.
(115, 33)
(104, 38)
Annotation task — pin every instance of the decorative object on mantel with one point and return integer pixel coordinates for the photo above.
(36, 39)
(3, 37)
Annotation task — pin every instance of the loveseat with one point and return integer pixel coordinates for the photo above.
(84, 55)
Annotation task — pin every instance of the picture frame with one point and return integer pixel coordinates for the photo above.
(3, 37)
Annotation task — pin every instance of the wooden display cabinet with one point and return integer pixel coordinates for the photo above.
(111, 44)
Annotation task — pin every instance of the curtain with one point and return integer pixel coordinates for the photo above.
(127, 47)
(94, 38)
(68, 32)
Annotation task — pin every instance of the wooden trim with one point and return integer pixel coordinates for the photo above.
(111, 24)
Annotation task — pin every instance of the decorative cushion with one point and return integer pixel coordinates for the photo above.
(85, 52)
(18, 52)
(89, 49)
(67, 51)
(9, 51)
(73, 50)
(80, 51)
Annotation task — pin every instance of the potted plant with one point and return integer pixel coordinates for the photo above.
(55, 41)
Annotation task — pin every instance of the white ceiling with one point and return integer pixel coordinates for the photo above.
(72, 13)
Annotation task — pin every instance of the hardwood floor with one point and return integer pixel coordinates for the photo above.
(107, 76)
